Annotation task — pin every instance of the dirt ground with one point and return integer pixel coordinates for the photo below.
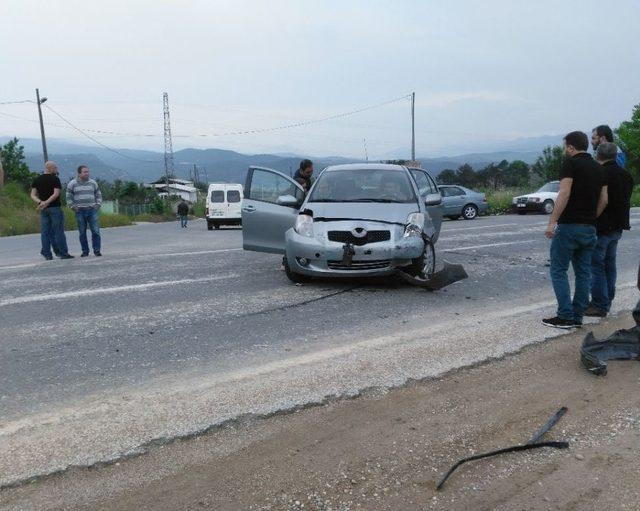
(386, 449)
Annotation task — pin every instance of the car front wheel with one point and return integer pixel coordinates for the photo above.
(469, 212)
(425, 266)
(547, 207)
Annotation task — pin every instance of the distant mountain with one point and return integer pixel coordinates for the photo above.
(224, 165)
(476, 160)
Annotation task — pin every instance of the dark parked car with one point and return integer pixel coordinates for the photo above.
(459, 201)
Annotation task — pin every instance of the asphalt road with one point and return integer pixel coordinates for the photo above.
(170, 313)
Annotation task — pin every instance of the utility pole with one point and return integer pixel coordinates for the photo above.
(196, 176)
(168, 146)
(413, 126)
(366, 154)
(206, 176)
(44, 140)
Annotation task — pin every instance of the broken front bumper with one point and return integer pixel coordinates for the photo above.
(323, 258)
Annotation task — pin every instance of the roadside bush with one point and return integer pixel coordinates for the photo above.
(500, 200)
(635, 197)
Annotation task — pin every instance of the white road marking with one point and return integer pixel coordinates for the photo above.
(106, 290)
(474, 247)
(475, 228)
(199, 252)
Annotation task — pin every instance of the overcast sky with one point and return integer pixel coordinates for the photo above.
(482, 71)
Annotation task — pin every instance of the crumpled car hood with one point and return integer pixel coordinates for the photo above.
(394, 213)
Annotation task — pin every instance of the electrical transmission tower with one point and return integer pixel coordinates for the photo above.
(168, 146)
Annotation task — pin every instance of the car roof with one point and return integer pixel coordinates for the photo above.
(365, 166)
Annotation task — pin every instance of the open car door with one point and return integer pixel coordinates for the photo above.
(269, 209)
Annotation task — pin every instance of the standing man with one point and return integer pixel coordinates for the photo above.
(45, 192)
(614, 219)
(602, 134)
(84, 197)
(581, 198)
(304, 173)
(183, 213)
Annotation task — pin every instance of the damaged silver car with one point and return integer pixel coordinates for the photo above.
(357, 220)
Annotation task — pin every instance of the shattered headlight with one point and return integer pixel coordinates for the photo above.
(304, 225)
(415, 221)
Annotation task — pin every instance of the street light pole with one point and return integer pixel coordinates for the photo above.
(44, 140)
(413, 126)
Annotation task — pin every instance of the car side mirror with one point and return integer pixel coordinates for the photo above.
(288, 200)
(433, 199)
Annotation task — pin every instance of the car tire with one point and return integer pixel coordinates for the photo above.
(209, 226)
(547, 207)
(470, 211)
(425, 266)
(296, 278)
(217, 226)
(453, 217)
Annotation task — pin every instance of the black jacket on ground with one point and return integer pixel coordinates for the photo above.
(615, 217)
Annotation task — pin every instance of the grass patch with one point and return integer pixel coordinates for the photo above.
(18, 214)
(500, 201)
(635, 197)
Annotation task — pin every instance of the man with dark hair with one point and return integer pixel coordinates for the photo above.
(304, 173)
(581, 199)
(45, 191)
(614, 219)
(84, 197)
(602, 134)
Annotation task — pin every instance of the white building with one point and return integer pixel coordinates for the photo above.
(177, 188)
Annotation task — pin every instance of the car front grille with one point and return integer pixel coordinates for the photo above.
(379, 264)
(348, 237)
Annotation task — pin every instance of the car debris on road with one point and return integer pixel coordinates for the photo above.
(533, 443)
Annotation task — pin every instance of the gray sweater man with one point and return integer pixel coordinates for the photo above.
(84, 197)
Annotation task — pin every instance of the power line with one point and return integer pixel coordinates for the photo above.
(115, 151)
(16, 102)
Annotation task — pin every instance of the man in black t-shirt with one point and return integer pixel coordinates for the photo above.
(45, 192)
(614, 219)
(581, 199)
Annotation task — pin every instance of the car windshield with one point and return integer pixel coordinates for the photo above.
(363, 185)
(550, 187)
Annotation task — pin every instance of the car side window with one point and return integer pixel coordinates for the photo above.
(423, 182)
(434, 186)
(444, 192)
(454, 190)
(217, 196)
(267, 186)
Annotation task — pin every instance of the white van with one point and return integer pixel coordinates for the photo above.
(224, 201)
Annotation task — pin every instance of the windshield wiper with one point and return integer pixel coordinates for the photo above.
(326, 200)
(383, 201)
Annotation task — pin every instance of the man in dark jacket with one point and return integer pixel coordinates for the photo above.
(183, 213)
(613, 220)
(303, 175)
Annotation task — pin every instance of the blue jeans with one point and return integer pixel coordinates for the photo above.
(572, 243)
(183, 220)
(52, 231)
(603, 270)
(88, 217)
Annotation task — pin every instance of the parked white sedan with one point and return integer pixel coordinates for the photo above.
(542, 201)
